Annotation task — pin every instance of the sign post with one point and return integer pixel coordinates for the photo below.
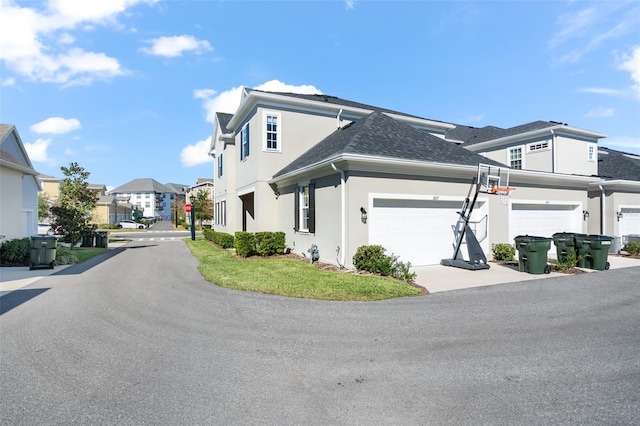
(188, 208)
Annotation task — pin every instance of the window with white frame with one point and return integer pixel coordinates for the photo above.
(272, 132)
(591, 152)
(515, 158)
(538, 146)
(244, 142)
(305, 208)
(219, 165)
(223, 213)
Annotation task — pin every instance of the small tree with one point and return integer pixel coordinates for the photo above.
(72, 211)
(43, 207)
(203, 206)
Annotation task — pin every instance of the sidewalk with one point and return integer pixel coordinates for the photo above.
(436, 278)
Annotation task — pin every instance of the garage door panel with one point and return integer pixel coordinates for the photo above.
(418, 231)
(629, 224)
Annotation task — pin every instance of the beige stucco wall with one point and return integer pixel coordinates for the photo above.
(51, 190)
(572, 157)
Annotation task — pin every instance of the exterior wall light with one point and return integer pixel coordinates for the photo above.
(619, 216)
(363, 215)
(585, 214)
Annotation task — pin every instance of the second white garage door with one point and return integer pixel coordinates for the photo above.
(421, 231)
(544, 220)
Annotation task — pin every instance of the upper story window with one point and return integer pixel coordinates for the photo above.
(219, 165)
(244, 142)
(592, 153)
(272, 132)
(515, 158)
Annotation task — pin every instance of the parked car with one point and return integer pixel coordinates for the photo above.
(129, 224)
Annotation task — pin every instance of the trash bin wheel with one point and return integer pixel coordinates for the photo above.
(606, 266)
(547, 269)
(51, 265)
(30, 265)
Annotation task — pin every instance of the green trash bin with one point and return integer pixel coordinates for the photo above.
(565, 242)
(43, 251)
(593, 251)
(102, 239)
(532, 254)
(87, 240)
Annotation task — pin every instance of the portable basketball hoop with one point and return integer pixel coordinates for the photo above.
(503, 192)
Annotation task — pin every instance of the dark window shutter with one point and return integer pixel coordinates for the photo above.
(312, 208)
(296, 207)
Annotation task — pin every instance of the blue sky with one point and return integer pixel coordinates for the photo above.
(128, 88)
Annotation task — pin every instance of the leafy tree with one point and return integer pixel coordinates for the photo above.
(203, 206)
(72, 211)
(43, 207)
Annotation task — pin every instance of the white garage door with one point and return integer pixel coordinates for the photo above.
(420, 231)
(630, 221)
(544, 220)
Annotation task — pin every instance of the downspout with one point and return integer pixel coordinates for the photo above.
(343, 213)
(602, 210)
(553, 152)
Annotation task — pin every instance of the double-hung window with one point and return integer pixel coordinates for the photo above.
(244, 142)
(591, 152)
(272, 132)
(305, 216)
(515, 158)
(220, 165)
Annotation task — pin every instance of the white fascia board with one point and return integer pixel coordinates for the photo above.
(369, 163)
(616, 184)
(277, 100)
(549, 178)
(559, 129)
(17, 167)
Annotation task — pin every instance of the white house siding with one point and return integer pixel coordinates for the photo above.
(11, 190)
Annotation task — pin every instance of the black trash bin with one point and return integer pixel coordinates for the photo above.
(532, 254)
(43, 251)
(87, 240)
(102, 239)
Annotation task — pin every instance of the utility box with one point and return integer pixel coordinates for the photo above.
(532, 254)
(43, 251)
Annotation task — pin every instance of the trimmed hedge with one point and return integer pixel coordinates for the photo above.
(261, 243)
(222, 239)
(373, 259)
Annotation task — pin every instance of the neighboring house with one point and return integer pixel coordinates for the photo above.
(148, 195)
(50, 187)
(340, 174)
(202, 184)
(616, 198)
(19, 187)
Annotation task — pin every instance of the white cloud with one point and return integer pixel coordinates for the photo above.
(600, 112)
(603, 91)
(229, 100)
(631, 63)
(350, 4)
(196, 154)
(56, 125)
(176, 45)
(9, 81)
(37, 42)
(37, 150)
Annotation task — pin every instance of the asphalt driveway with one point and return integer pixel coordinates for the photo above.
(141, 338)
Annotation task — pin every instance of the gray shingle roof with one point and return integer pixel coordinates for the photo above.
(223, 119)
(618, 165)
(143, 185)
(473, 135)
(342, 102)
(379, 135)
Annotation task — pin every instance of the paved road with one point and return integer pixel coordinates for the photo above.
(141, 338)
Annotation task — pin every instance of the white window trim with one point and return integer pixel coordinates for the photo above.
(531, 147)
(522, 152)
(264, 131)
(592, 152)
(301, 207)
(242, 133)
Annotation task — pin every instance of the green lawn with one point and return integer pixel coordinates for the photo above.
(292, 277)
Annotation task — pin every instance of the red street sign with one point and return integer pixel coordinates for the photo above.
(187, 208)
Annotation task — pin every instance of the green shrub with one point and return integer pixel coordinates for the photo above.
(108, 226)
(571, 259)
(270, 243)
(222, 239)
(15, 252)
(632, 247)
(503, 252)
(64, 256)
(245, 244)
(373, 259)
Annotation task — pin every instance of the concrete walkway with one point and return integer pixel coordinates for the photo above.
(434, 278)
(438, 278)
